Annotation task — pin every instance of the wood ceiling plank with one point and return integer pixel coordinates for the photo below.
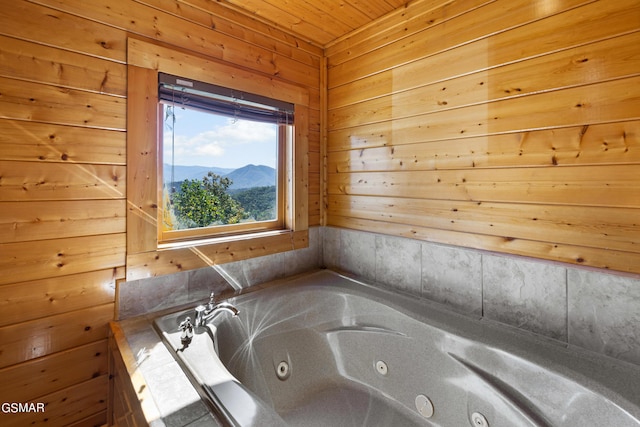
(319, 21)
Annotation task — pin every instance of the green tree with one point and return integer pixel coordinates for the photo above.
(258, 202)
(200, 203)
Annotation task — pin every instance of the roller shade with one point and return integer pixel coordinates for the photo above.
(224, 101)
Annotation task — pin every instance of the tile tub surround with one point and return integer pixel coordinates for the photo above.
(453, 276)
(143, 296)
(592, 309)
(604, 314)
(589, 308)
(529, 295)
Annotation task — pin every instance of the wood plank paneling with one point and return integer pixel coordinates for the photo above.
(321, 21)
(155, 57)
(22, 140)
(213, 15)
(59, 257)
(506, 38)
(517, 135)
(21, 181)
(289, 17)
(29, 22)
(313, 22)
(24, 221)
(601, 61)
(609, 143)
(37, 338)
(20, 302)
(49, 374)
(239, 25)
(140, 19)
(489, 52)
(62, 185)
(595, 103)
(60, 68)
(402, 23)
(93, 420)
(52, 104)
(66, 406)
(614, 186)
(579, 106)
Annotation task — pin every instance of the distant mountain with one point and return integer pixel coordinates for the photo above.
(252, 176)
(193, 172)
(248, 176)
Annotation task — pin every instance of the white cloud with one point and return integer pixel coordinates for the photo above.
(231, 142)
(245, 132)
(213, 150)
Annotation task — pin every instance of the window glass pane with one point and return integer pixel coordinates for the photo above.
(217, 170)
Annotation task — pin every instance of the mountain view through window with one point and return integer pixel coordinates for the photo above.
(217, 170)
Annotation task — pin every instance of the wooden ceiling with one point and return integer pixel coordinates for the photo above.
(317, 21)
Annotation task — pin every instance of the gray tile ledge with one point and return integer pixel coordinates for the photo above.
(176, 402)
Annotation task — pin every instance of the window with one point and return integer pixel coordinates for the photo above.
(150, 250)
(221, 161)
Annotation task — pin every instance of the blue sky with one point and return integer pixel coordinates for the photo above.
(203, 139)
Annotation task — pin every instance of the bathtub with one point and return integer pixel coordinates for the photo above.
(328, 350)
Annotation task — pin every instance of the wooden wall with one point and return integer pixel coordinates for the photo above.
(63, 176)
(506, 125)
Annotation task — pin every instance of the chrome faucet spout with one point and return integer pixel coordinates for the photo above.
(205, 314)
(225, 306)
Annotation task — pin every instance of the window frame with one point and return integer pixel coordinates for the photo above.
(167, 237)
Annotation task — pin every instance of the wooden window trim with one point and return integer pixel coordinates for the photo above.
(145, 256)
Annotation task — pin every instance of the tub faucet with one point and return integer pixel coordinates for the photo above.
(206, 313)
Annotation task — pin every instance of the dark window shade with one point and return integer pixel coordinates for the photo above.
(224, 101)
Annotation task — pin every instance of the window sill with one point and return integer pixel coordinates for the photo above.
(222, 239)
(177, 257)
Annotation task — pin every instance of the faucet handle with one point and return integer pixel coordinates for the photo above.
(200, 314)
(212, 298)
(186, 328)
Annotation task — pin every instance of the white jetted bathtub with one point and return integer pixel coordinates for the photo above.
(326, 350)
